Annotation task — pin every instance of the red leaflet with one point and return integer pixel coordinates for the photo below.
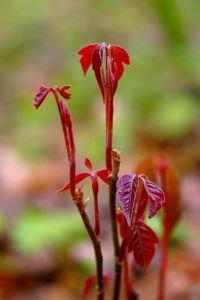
(123, 226)
(155, 195)
(86, 58)
(127, 188)
(63, 91)
(142, 243)
(79, 177)
(41, 95)
(103, 174)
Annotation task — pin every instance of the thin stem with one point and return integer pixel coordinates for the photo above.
(97, 250)
(116, 245)
(110, 135)
(126, 278)
(96, 215)
(163, 265)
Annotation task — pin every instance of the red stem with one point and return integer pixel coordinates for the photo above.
(109, 138)
(163, 265)
(127, 278)
(96, 214)
(97, 250)
(69, 142)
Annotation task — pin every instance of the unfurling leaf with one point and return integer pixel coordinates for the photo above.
(107, 62)
(41, 95)
(142, 243)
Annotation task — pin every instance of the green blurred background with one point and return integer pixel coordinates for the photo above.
(157, 108)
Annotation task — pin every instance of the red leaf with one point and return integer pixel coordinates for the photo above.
(119, 56)
(88, 163)
(126, 189)
(123, 226)
(86, 58)
(142, 243)
(107, 62)
(41, 95)
(63, 91)
(155, 195)
(78, 179)
(104, 175)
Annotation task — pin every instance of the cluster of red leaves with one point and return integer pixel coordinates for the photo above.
(108, 65)
(107, 62)
(135, 192)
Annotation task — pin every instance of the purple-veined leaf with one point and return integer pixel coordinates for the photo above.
(155, 194)
(41, 95)
(126, 189)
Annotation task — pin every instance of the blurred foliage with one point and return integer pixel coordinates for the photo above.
(179, 235)
(36, 230)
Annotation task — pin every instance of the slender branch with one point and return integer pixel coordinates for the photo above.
(96, 245)
(126, 277)
(163, 265)
(96, 215)
(116, 245)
